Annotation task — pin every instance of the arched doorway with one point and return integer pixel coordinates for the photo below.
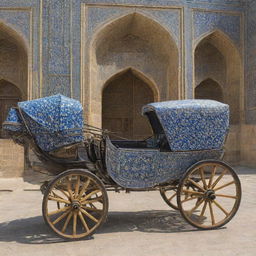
(217, 57)
(209, 89)
(123, 97)
(9, 96)
(13, 70)
(133, 40)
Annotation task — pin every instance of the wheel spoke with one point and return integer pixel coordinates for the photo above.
(189, 199)
(95, 200)
(92, 209)
(64, 193)
(61, 217)
(196, 184)
(220, 207)
(74, 222)
(69, 188)
(90, 194)
(86, 184)
(77, 186)
(83, 221)
(59, 210)
(212, 176)
(196, 206)
(192, 192)
(211, 212)
(89, 215)
(203, 177)
(58, 199)
(225, 185)
(169, 199)
(203, 209)
(227, 196)
(66, 222)
(218, 179)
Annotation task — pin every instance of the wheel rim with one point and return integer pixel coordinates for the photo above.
(209, 195)
(75, 204)
(170, 197)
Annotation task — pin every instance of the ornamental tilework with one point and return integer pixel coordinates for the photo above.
(54, 121)
(205, 22)
(192, 124)
(144, 168)
(13, 121)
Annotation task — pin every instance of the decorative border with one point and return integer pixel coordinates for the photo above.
(85, 51)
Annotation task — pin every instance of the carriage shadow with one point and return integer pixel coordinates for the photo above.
(34, 231)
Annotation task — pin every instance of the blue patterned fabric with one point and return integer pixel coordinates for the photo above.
(145, 168)
(54, 121)
(192, 124)
(13, 121)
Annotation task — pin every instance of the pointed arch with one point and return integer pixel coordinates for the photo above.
(123, 97)
(137, 41)
(14, 71)
(14, 36)
(222, 62)
(14, 60)
(149, 81)
(209, 89)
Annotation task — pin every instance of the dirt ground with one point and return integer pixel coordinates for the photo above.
(138, 224)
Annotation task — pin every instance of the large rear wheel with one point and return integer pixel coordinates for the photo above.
(75, 204)
(209, 194)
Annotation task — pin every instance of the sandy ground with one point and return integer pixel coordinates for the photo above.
(138, 224)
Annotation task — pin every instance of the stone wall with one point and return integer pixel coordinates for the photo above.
(248, 128)
(11, 159)
(75, 47)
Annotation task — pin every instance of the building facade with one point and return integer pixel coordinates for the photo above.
(116, 55)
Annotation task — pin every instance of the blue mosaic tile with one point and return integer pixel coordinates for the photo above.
(145, 168)
(54, 121)
(192, 124)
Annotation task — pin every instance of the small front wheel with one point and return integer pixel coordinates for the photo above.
(170, 197)
(75, 204)
(209, 194)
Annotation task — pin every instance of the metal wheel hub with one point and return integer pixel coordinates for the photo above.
(210, 194)
(75, 205)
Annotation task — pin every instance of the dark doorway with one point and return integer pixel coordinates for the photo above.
(9, 97)
(209, 89)
(123, 98)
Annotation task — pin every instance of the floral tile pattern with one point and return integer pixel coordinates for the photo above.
(192, 124)
(144, 168)
(54, 121)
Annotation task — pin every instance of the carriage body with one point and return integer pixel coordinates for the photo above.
(185, 132)
(182, 156)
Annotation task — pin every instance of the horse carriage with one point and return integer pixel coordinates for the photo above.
(182, 160)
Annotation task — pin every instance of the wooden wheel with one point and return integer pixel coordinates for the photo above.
(170, 197)
(75, 204)
(209, 194)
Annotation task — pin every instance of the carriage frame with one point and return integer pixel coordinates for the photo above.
(190, 176)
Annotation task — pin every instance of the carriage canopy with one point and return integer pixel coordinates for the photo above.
(54, 121)
(190, 124)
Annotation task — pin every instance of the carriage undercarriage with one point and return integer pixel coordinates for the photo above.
(187, 170)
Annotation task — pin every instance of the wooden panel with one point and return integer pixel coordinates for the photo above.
(123, 99)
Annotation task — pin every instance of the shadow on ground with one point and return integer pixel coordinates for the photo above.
(34, 231)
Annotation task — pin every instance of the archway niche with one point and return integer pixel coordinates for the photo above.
(209, 89)
(138, 42)
(13, 70)
(216, 57)
(10, 95)
(123, 97)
